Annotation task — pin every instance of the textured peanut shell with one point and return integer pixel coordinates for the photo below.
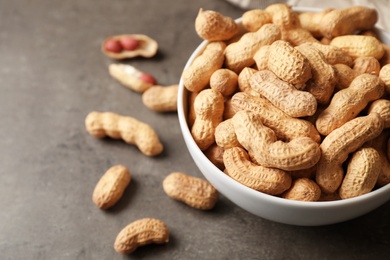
(213, 26)
(348, 103)
(348, 20)
(225, 136)
(128, 76)
(333, 55)
(131, 130)
(111, 186)
(288, 63)
(323, 80)
(384, 75)
(359, 46)
(139, 233)
(339, 144)
(382, 107)
(161, 98)
(368, 65)
(224, 81)
(285, 127)
(215, 154)
(286, 97)
(345, 75)
(193, 191)
(252, 20)
(208, 108)
(283, 16)
(196, 77)
(264, 148)
(311, 21)
(240, 54)
(240, 168)
(243, 81)
(261, 57)
(303, 189)
(147, 47)
(362, 173)
(379, 144)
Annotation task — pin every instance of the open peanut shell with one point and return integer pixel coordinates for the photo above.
(147, 47)
(129, 77)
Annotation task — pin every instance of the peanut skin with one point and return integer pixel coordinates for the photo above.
(339, 144)
(111, 186)
(347, 103)
(362, 173)
(131, 130)
(139, 233)
(196, 77)
(268, 180)
(194, 192)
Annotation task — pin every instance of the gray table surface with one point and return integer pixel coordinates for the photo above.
(52, 74)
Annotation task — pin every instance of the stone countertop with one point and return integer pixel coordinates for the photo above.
(52, 74)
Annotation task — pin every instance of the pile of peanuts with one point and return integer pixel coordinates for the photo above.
(293, 104)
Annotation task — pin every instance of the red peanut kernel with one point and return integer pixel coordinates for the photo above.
(113, 45)
(129, 43)
(147, 78)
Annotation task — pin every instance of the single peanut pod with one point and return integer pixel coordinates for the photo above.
(311, 21)
(345, 75)
(253, 20)
(111, 186)
(293, 102)
(264, 148)
(195, 192)
(196, 77)
(333, 55)
(379, 144)
(381, 107)
(240, 168)
(215, 154)
(368, 65)
(384, 75)
(213, 26)
(161, 98)
(224, 81)
(359, 46)
(288, 63)
(131, 130)
(240, 54)
(303, 189)
(243, 81)
(225, 136)
(347, 21)
(323, 80)
(208, 108)
(348, 103)
(147, 47)
(130, 77)
(139, 233)
(285, 127)
(362, 173)
(339, 144)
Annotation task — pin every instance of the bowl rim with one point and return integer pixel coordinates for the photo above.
(190, 142)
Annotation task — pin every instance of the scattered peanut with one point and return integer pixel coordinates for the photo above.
(126, 46)
(139, 233)
(131, 130)
(213, 26)
(111, 186)
(193, 191)
(161, 98)
(131, 77)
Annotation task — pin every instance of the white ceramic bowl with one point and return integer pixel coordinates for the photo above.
(271, 207)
